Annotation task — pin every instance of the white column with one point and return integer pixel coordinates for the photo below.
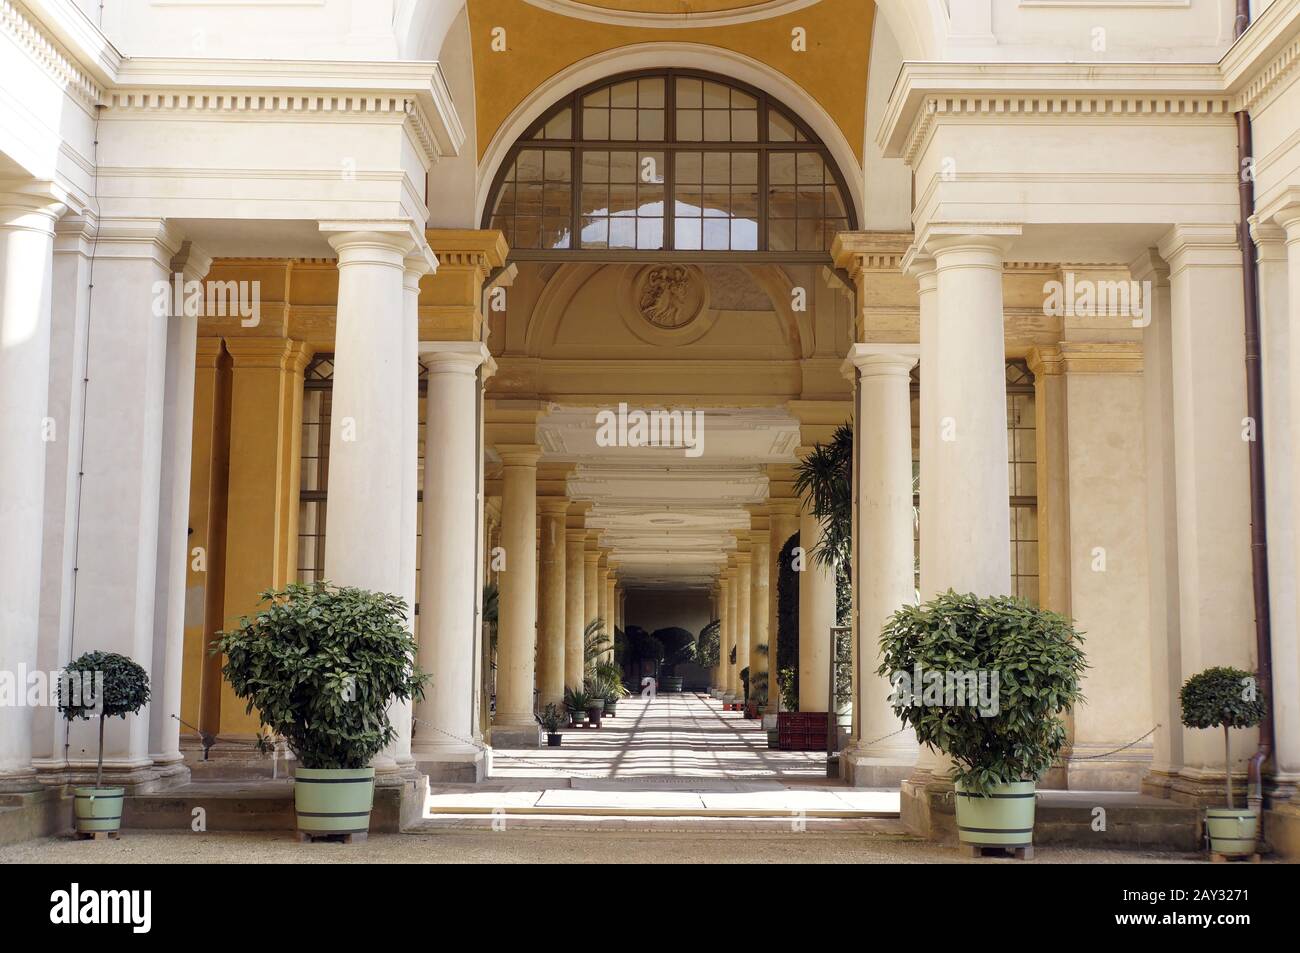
(27, 221)
(117, 558)
(734, 688)
(744, 580)
(1216, 609)
(966, 494)
(445, 744)
(760, 662)
(1286, 640)
(930, 531)
(575, 605)
(517, 638)
(551, 628)
(591, 581)
(816, 617)
(364, 546)
(883, 753)
(70, 314)
(1162, 524)
(174, 519)
(401, 713)
(724, 631)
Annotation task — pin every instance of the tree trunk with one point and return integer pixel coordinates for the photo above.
(99, 766)
(1227, 764)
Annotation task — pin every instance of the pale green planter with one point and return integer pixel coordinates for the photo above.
(1233, 831)
(1003, 818)
(98, 810)
(333, 800)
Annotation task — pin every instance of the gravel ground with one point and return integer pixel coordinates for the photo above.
(514, 847)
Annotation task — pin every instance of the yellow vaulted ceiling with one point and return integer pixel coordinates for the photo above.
(541, 43)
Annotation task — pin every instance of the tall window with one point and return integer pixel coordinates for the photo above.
(313, 495)
(1022, 463)
(669, 161)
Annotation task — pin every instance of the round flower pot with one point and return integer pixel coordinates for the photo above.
(98, 810)
(1233, 831)
(611, 704)
(594, 713)
(553, 739)
(670, 683)
(333, 800)
(1003, 818)
(578, 717)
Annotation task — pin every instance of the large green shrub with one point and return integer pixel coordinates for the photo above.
(1036, 657)
(321, 665)
(111, 686)
(1224, 698)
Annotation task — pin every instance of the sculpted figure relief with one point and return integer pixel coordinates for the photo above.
(663, 297)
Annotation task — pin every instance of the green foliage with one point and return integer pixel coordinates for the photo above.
(825, 479)
(787, 618)
(646, 647)
(758, 687)
(1038, 660)
(707, 645)
(577, 700)
(679, 647)
(595, 643)
(744, 679)
(321, 664)
(124, 692)
(788, 684)
(551, 719)
(843, 669)
(605, 680)
(1222, 698)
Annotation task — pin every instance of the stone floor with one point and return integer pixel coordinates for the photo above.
(517, 845)
(666, 738)
(674, 756)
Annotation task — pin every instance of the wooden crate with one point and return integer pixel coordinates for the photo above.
(801, 730)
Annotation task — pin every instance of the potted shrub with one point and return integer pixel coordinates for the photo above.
(609, 681)
(110, 686)
(1018, 669)
(1225, 698)
(679, 648)
(321, 664)
(576, 701)
(596, 687)
(551, 720)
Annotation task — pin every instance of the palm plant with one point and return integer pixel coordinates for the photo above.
(595, 643)
(707, 646)
(824, 478)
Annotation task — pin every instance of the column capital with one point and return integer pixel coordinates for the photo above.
(578, 510)
(591, 556)
(137, 238)
(1269, 237)
(1044, 360)
(553, 506)
(819, 419)
(207, 352)
(575, 536)
(454, 357)
(378, 241)
(284, 354)
(1101, 357)
(1206, 245)
(881, 360)
(786, 506)
(1149, 266)
(943, 240)
(919, 264)
(34, 206)
(519, 454)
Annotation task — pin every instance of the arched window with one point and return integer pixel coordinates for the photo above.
(672, 161)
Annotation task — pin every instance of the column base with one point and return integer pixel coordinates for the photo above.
(462, 765)
(136, 779)
(862, 768)
(927, 807)
(19, 782)
(516, 736)
(1282, 829)
(1122, 771)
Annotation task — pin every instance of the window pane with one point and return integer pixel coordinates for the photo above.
(650, 124)
(717, 125)
(595, 167)
(779, 128)
(689, 168)
(560, 126)
(623, 94)
(781, 168)
(622, 124)
(690, 125)
(744, 126)
(595, 123)
(689, 92)
(687, 234)
(650, 92)
(716, 96)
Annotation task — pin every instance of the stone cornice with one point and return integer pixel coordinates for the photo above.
(1263, 59)
(1119, 92)
(17, 23)
(1106, 357)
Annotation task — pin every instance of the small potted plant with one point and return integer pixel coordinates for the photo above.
(596, 687)
(610, 679)
(551, 720)
(1226, 698)
(321, 665)
(1018, 668)
(576, 700)
(109, 686)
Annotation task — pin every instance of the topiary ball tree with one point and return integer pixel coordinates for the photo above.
(1224, 698)
(321, 664)
(103, 684)
(1005, 672)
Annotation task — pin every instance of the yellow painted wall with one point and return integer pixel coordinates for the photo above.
(541, 44)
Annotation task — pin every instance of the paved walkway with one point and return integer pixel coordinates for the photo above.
(678, 757)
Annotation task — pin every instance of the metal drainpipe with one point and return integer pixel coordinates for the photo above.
(1254, 407)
